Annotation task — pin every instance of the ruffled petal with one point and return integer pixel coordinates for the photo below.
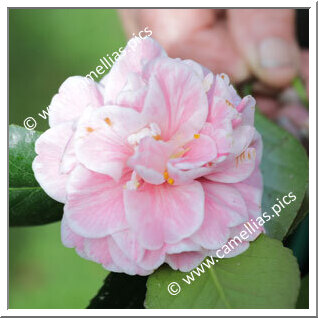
(74, 95)
(175, 100)
(242, 138)
(127, 242)
(50, 148)
(94, 206)
(129, 266)
(150, 159)
(164, 214)
(98, 251)
(198, 152)
(185, 261)
(234, 169)
(251, 190)
(71, 239)
(224, 208)
(100, 141)
(132, 60)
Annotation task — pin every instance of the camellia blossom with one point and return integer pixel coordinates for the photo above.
(158, 163)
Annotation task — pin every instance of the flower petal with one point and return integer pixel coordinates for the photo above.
(150, 159)
(130, 267)
(175, 100)
(74, 95)
(234, 169)
(185, 261)
(94, 206)
(251, 190)
(100, 144)
(224, 208)
(198, 152)
(127, 242)
(98, 251)
(131, 61)
(164, 214)
(50, 148)
(242, 138)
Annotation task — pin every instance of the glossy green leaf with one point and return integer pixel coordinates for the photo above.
(265, 276)
(285, 169)
(120, 291)
(28, 203)
(303, 211)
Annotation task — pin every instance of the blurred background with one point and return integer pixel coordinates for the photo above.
(46, 46)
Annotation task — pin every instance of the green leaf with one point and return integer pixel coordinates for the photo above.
(120, 291)
(285, 169)
(265, 276)
(28, 203)
(303, 298)
(303, 211)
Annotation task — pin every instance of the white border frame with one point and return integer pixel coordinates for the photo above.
(312, 160)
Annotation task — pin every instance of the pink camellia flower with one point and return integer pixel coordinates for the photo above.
(159, 163)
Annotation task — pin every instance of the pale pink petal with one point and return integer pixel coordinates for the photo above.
(185, 245)
(94, 205)
(50, 148)
(164, 214)
(130, 267)
(98, 251)
(251, 190)
(70, 238)
(223, 89)
(133, 94)
(234, 169)
(181, 177)
(152, 259)
(198, 152)
(100, 146)
(224, 208)
(242, 138)
(128, 244)
(74, 95)
(124, 121)
(130, 61)
(221, 114)
(257, 143)
(222, 137)
(185, 261)
(150, 159)
(175, 100)
(247, 109)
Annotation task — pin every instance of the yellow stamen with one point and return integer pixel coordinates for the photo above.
(108, 121)
(170, 181)
(249, 156)
(229, 103)
(179, 154)
(157, 137)
(222, 76)
(196, 136)
(166, 175)
(89, 129)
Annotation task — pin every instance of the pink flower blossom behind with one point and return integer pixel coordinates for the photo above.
(157, 163)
